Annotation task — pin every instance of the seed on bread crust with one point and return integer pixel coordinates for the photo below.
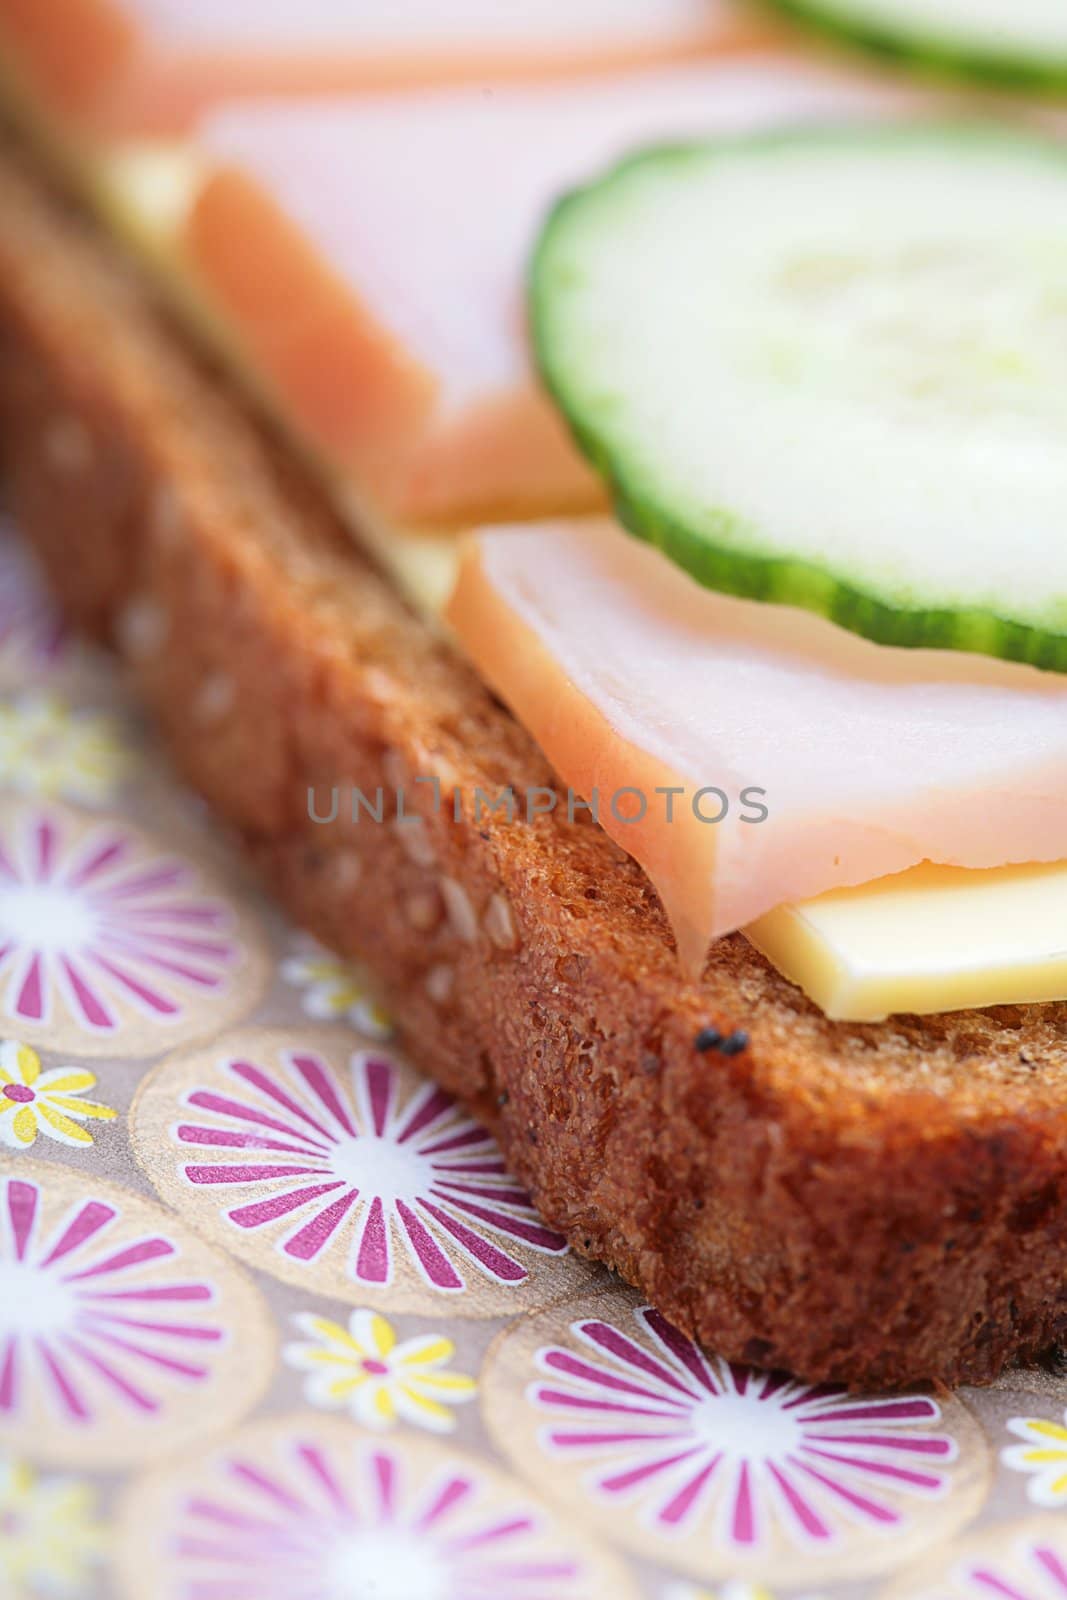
(68, 446)
(166, 520)
(141, 629)
(424, 910)
(461, 913)
(440, 981)
(215, 698)
(415, 841)
(499, 923)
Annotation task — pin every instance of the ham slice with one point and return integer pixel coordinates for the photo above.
(150, 66)
(630, 675)
(373, 254)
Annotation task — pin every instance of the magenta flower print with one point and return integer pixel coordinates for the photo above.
(69, 1323)
(680, 1430)
(715, 1467)
(101, 937)
(1009, 1561)
(107, 1335)
(1036, 1570)
(391, 1182)
(301, 1510)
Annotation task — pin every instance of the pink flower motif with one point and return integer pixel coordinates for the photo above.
(78, 1322)
(1036, 1570)
(95, 923)
(32, 633)
(421, 1178)
(325, 1525)
(691, 1437)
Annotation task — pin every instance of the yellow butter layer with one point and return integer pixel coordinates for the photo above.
(930, 939)
(147, 189)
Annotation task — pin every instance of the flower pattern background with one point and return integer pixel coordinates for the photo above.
(482, 1416)
(720, 1469)
(732, 1589)
(1012, 1561)
(109, 941)
(339, 1169)
(334, 990)
(55, 751)
(51, 1539)
(1042, 1456)
(118, 1329)
(378, 1378)
(53, 1104)
(302, 1509)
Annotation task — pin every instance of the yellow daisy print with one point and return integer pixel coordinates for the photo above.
(49, 1538)
(336, 992)
(49, 1103)
(380, 1381)
(1043, 1455)
(51, 751)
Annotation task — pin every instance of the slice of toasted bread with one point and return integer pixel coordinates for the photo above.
(878, 1204)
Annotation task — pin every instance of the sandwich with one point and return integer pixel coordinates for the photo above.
(596, 543)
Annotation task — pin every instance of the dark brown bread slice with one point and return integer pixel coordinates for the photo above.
(878, 1204)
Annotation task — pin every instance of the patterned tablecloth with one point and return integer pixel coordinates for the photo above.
(275, 1323)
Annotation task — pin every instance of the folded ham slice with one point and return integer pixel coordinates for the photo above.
(870, 759)
(372, 256)
(148, 66)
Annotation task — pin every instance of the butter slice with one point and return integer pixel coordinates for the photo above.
(147, 189)
(930, 939)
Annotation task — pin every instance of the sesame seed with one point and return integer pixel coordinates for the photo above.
(68, 445)
(141, 629)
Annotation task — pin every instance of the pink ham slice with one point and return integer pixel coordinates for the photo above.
(149, 66)
(372, 255)
(629, 674)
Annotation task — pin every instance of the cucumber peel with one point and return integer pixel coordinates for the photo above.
(1007, 43)
(828, 368)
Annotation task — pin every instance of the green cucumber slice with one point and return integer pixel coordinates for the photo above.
(829, 368)
(1014, 42)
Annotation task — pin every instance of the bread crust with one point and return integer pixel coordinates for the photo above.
(875, 1204)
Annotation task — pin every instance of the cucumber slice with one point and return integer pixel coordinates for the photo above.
(1020, 42)
(829, 368)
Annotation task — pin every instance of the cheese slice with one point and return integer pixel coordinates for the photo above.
(150, 66)
(928, 939)
(635, 681)
(931, 939)
(371, 255)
